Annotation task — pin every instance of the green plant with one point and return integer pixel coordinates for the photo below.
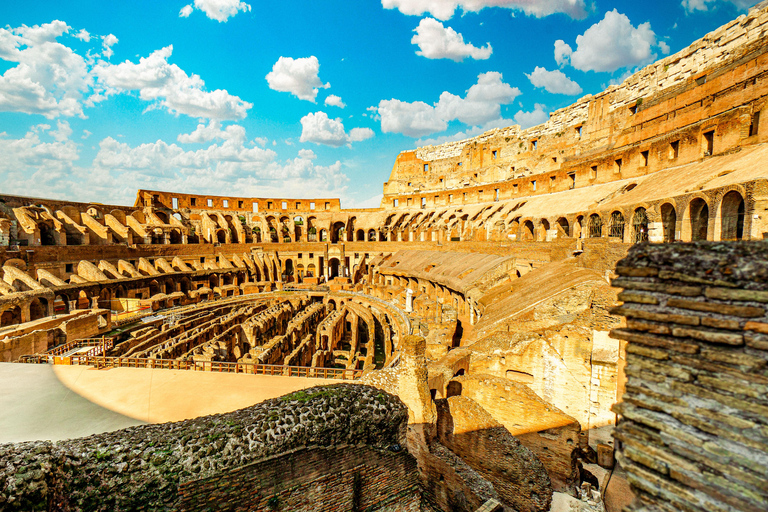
(273, 503)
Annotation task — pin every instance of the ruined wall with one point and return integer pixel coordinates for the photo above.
(190, 465)
(694, 417)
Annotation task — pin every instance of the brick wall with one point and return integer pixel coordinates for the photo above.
(694, 418)
(344, 477)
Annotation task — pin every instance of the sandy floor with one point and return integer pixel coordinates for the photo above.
(60, 402)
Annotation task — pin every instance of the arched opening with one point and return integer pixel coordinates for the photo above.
(154, 288)
(10, 317)
(213, 282)
(227, 280)
(257, 235)
(595, 226)
(157, 237)
(323, 235)
(47, 235)
(120, 292)
(732, 216)
(578, 226)
(82, 300)
(527, 231)
(360, 235)
(273, 235)
(333, 268)
(699, 213)
(298, 225)
(454, 389)
(640, 226)
(60, 305)
(616, 229)
(543, 228)
(310, 270)
(371, 235)
(175, 236)
(338, 232)
(563, 227)
(289, 271)
(221, 236)
(668, 222)
(36, 310)
(162, 216)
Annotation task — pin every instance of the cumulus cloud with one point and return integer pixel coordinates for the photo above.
(535, 117)
(107, 42)
(297, 76)
(436, 41)
(480, 106)
(186, 11)
(169, 86)
(320, 129)
(444, 9)
(554, 82)
(610, 44)
(83, 35)
(213, 131)
(334, 101)
(48, 79)
(703, 5)
(219, 10)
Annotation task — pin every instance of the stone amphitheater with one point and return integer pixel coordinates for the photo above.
(489, 359)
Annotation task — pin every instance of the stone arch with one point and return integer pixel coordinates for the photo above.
(60, 305)
(221, 236)
(175, 236)
(527, 231)
(154, 288)
(578, 226)
(732, 216)
(371, 235)
(10, 316)
(37, 309)
(323, 235)
(617, 225)
(543, 228)
(668, 222)
(338, 232)
(698, 219)
(360, 236)
(640, 225)
(595, 226)
(333, 268)
(563, 229)
(47, 234)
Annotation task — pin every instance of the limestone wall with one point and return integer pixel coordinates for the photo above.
(323, 448)
(694, 417)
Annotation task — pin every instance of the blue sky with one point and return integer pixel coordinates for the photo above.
(297, 98)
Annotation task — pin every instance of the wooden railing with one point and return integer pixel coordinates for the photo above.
(100, 346)
(213, 366)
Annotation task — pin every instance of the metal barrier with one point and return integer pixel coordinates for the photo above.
(100, 346)
(210, 366)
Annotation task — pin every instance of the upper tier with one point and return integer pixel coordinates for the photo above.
(703, 100)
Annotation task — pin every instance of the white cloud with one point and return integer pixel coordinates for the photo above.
(554, 82)
(360, 134)
(438, 42)
(307, 154)
(610, 44)
(466, 134)
(296, 76)
(107, 42)
(49, 78)
(563, 52)
(412, 119)
(481, 105)
(703, 5)
(86, 134)
(262, 141)
(83, 35)
(62, 132)
(664, 47)
(219, 10)
(213, 131)
(320, 129)
(334, 101)
(444, 9)
(535, 117)
(169, 86)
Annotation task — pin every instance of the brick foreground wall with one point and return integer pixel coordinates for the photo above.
(344, 477)
(694, 419)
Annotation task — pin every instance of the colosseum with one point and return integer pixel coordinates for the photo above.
(566, 317)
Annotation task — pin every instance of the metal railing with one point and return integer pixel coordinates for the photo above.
(214, 366)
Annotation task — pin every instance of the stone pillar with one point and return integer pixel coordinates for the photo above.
(408, 300)
(655, 232)
(95, 302)
(72, 305)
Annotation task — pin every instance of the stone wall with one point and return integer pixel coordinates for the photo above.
(694, 418)
(277, 454)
